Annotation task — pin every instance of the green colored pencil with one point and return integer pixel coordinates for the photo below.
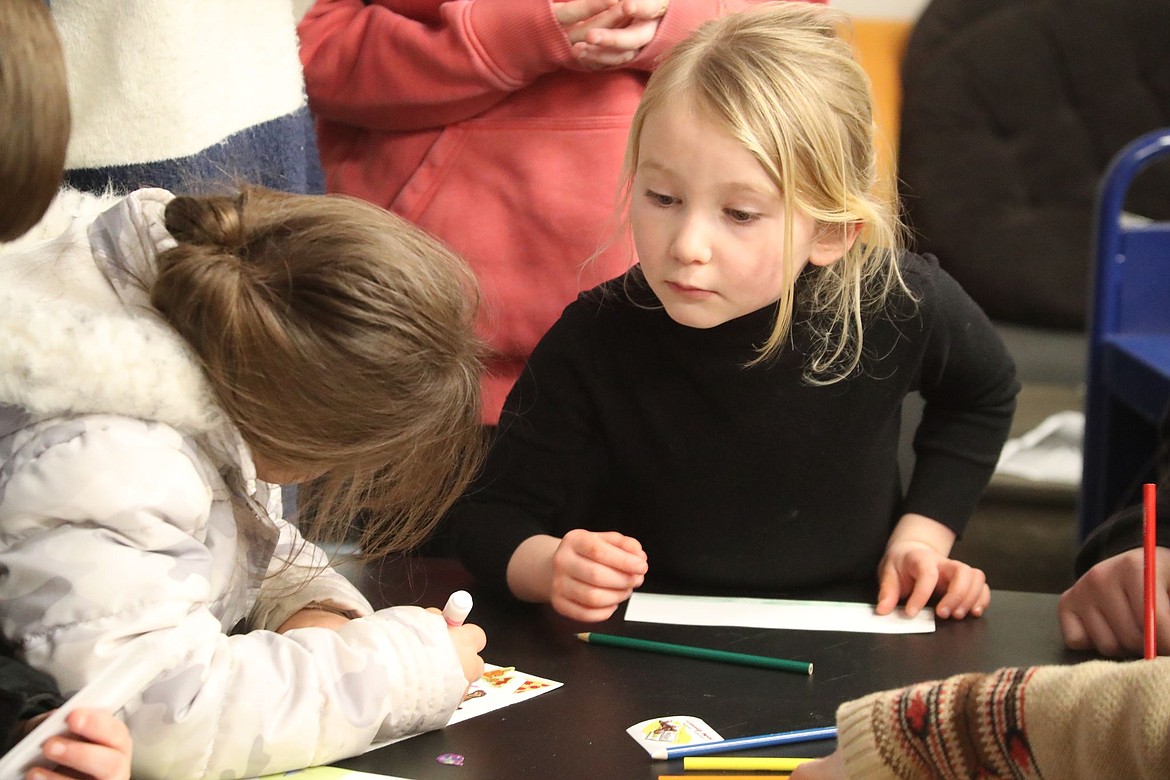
(687, 651)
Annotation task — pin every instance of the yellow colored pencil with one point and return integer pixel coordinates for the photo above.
(724, 777)
(743, 764)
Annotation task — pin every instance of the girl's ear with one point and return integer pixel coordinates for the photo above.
(832, 242)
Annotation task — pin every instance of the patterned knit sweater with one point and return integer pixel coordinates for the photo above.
(1092, 720)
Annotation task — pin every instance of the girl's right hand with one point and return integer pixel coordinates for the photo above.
(593, 572)
(469, 640)
(1104, 610)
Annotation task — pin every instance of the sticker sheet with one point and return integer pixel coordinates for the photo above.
(500, 686)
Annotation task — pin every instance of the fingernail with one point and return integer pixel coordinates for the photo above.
(54, 749)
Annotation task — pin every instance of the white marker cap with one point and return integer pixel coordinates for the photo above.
(458, 607)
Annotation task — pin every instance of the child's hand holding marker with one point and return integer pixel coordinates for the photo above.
(585, 575)
(469, 639)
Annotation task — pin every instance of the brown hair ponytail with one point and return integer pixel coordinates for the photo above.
(338, 338)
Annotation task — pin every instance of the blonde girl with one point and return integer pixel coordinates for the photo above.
(726, 415)
(163, 367)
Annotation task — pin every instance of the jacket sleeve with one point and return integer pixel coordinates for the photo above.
(107, 548)
(1090, 720)
(968, 383)
(371, 65)
(300, 575)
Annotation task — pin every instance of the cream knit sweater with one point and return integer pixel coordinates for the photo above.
(1091, 720)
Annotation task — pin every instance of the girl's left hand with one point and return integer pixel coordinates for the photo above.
(98, 747)
(831, 767)
(916, 571)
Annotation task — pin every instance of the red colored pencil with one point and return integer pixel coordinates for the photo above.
(1149, 535)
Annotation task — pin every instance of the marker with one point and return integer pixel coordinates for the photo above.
(1149, 567)
(687, 651)
(458, 605)
(743, 743)
(744, 764)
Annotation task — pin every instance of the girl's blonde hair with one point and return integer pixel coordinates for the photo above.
(337, 337)
(34, 114)
(780, 80)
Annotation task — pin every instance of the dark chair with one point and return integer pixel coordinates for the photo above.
(1129, 341)
(1011, 111)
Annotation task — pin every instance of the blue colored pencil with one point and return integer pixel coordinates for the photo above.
(743, 743)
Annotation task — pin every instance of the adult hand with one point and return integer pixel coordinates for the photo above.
(609, 33)
(1105, 609)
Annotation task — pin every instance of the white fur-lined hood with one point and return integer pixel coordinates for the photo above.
(77, 333)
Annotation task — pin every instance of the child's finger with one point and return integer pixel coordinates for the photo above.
(101, 727)
(1076, 636)
(592, 574)
(574, 11)
(889, 591)
(627, 543)
(591, 596)
(583, 612)
(610, 549)
(88, 758)
(963, 590)
(645, 9)
(983, 601)
(629, 39)
(1108, 637)
(924, 584)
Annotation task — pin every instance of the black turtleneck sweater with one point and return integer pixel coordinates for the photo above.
(734, 477)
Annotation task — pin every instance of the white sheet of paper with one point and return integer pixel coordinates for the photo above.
(773, 613)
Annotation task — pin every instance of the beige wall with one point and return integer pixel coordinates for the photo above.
(881, 9)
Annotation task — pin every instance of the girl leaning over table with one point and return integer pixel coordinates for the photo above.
(726, 414)
(165, 366)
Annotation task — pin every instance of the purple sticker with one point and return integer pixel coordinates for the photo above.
(450, 759)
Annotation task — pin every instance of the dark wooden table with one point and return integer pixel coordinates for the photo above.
(579, 730)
